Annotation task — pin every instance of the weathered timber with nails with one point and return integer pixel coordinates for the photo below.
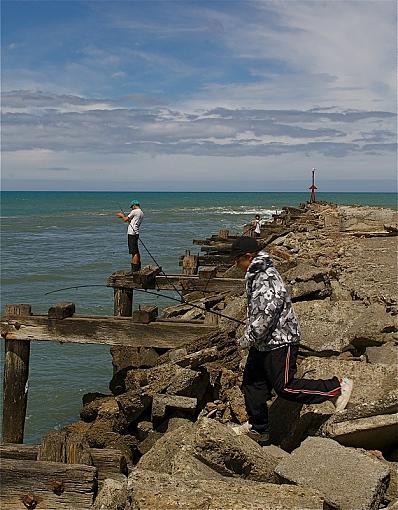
(124, 280)
(102, 330)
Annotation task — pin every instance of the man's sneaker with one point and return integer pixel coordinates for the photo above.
(262, 438)
(346, 390)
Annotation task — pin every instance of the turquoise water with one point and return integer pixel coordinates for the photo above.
(52, 240)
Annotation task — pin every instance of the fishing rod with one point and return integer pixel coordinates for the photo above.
(153, 294)
(160, 267)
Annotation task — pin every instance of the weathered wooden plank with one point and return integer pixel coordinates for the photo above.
(212, 259)
(109, 462)
(52, 485)
(18, 451)
(196, 283)
(223, 247)
(102, 330)
(183, 282)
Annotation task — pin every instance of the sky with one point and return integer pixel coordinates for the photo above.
(233, 95)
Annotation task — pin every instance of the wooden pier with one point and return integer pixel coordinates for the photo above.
(33, 480)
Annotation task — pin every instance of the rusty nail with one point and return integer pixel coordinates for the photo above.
(57, 487)
(30, 501)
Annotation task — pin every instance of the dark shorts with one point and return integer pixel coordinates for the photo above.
(132, 240)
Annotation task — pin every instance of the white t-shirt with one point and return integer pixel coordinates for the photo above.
(135, 216)
(257, 224)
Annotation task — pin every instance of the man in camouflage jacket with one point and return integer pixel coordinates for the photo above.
(272, 335)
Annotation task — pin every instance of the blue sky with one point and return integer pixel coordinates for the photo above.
(199, 95)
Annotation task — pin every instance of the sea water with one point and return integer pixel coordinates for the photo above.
(54, 240)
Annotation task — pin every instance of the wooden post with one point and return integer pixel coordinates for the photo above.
(223, 233)
(190, 264)
(15, 385)
(122, 302)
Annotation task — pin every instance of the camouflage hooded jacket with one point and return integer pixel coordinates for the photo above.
(271, 321)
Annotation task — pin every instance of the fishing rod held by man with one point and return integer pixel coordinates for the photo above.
(134, 219)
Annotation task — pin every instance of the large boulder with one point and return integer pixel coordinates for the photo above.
(348, 478)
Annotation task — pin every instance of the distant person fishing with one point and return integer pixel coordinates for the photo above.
(134, 219)
(254, 229)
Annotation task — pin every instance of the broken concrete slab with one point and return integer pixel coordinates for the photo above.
(379, 432)
(219, 447)
(366, 219)
(189, 383)
(89, 411)
(303, 291)
(330, 327)
(386, 354)
(133, 404)
(160, 459)
(112, 496)
(366, 270)
(162, 403)
(137, 357)
(149, 490)
(149, 442)
(291, 423)
(371, 381)
(236, 308)
(305, 272)
(347, 478)
(371, 425)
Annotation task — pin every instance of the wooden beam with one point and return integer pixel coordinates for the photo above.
(111, 463)
(196, 283)
(102, 330)
(50, 485)
(182, 282)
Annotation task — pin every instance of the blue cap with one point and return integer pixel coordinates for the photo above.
(134, 202)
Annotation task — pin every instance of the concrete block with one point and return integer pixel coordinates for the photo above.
(161, 403)
(149, 490)
(349, 479)
(371, 425)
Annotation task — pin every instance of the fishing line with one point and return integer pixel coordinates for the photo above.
(153, 294)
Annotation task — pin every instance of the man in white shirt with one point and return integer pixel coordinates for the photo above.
(134, 219)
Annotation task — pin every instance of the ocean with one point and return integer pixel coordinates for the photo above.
(53, 240)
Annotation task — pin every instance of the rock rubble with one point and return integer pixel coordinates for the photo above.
(171, 411)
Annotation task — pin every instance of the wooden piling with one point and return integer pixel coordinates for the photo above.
(122, 302)
(15, 383)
